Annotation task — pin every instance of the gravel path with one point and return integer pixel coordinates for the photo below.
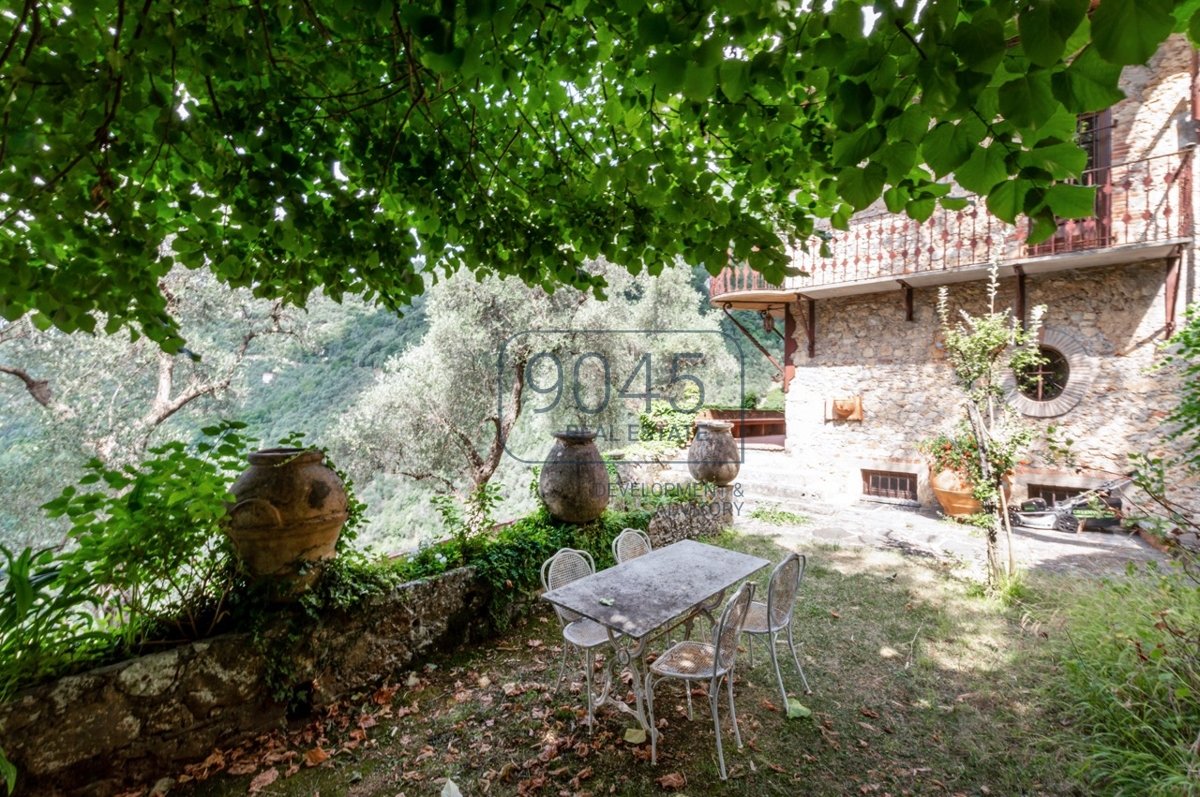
(921, 534)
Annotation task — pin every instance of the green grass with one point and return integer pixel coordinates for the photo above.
(919, 688)
(1129, 686)
(777, 516)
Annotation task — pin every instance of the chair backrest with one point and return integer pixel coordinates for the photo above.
(729, 628)
(785, 582)
(630, 544)
(564, 567)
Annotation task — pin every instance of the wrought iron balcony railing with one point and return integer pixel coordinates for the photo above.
(1146, 201)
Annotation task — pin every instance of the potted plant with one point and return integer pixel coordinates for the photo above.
(956, 470)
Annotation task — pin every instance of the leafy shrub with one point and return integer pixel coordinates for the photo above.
(1131, 683)
(466, 520)
(45, 625)
(148, 541)
(773, 399)
(663, 423)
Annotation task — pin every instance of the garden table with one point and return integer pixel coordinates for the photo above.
(636, 599)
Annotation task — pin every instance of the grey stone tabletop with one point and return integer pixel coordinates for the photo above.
(646, 593)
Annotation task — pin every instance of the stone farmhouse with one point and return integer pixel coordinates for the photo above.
(863, 365)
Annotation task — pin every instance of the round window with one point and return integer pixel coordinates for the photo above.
(1054, 386)
(1047, 380)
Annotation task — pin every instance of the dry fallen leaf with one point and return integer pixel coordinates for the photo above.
(834, 615)
(384, 695)
(866, 712)
(242, 768)
(672, 781)
(315, 756)
(262, 780)
(768, 705)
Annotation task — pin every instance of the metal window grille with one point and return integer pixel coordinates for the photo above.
(1053, 494)
(889, 484)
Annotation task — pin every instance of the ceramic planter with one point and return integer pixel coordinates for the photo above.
(289, 510)
(713, 456)
(574, 481)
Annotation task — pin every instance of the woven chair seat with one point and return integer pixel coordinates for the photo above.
(585, 633)
(756, 619)
(686, 659)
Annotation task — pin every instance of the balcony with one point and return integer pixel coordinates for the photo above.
(1143, 211)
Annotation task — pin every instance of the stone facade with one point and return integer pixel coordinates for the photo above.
(1111, 312)
(866, 348)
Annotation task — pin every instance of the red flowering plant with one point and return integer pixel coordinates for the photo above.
(958, 452)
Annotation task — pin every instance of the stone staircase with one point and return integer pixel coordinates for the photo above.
(768, 478)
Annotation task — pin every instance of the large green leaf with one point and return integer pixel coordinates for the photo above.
(1046, 25)
(849, 150)
(861, 187)
(1089, 84)
(1057, 160)
(1072, 201)
(979, 42)
(1028, 100)
(948, 145)
(983, 169)
(1007, 200)
(1129, 31)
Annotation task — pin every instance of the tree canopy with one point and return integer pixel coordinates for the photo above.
(370, 147)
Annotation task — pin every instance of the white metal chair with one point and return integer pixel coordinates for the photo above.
(702, 661)
(630, 544)
(578, 632)
(773, 617)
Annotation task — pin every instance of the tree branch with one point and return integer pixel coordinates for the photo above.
(39, 389)
(429, 476)
(503, 428)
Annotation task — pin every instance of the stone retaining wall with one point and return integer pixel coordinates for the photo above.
(92, 733)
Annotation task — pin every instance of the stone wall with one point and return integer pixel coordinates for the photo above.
(92, 733)
(865, 347)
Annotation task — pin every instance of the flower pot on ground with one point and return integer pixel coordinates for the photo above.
(954, 493)
(288, 512)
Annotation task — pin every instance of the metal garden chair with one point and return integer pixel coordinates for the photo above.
(578, 632)
(773, 617)
(702, 661)
(630, 544)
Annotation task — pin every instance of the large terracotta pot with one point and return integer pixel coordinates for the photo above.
(574, 481)
(955, 495)
(288, 512)
(713, 456)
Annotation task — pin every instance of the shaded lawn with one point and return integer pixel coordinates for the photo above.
(919, 688)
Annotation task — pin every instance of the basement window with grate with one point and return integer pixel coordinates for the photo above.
(1053, 494)
(889, 485)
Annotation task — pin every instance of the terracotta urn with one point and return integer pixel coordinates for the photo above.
(954, 493)
(574, 481)
(288, 511)
(713, 456)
